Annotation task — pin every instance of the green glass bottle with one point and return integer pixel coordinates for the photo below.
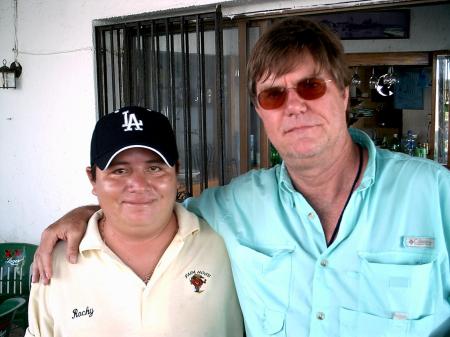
(395, 143)
(274, 156)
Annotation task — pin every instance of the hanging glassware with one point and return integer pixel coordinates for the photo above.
(391, 78)
(356, 80)
(386, 83)
(373, 80)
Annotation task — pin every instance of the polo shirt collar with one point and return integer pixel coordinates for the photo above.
(92, 239)
(188, 224)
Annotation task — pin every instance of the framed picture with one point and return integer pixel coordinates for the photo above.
(368, 25)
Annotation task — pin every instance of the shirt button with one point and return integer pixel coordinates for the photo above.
(311, 216)
(324, 263)
(320, 316)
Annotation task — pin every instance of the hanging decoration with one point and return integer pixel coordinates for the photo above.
(8, 75)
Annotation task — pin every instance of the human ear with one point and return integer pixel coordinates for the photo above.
(91, 179)
(346, 93)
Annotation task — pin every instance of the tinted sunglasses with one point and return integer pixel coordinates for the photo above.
(309, 89)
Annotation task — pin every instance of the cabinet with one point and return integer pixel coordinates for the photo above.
(374, 112)
(419, 102)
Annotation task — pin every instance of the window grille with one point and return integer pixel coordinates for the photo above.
(173, 65)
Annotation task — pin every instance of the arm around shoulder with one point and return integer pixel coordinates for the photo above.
(71, 228)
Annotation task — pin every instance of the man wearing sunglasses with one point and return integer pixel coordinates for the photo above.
(341, 239)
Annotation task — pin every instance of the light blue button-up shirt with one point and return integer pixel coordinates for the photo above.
(386, 274)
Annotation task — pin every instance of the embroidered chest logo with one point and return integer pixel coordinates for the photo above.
(418, 242)
(198, 279)
(80, 313)
(130, 121)
(13, 257)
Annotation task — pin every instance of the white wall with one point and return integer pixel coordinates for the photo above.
(46, 124)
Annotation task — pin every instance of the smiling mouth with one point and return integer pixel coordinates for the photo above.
(138, 203)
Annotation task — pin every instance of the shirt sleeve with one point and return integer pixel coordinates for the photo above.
(210, 205)
(40, 321)
(444, 197)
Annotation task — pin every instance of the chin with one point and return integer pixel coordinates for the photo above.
(301, 152)
(139, 215)
(139, 221)
(303, 147)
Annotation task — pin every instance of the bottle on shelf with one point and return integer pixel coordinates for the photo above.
(409, 143)
(421, 150)
(395, 143)
(274, 156)
(384, 143)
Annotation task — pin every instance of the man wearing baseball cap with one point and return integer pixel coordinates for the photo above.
(147, 266)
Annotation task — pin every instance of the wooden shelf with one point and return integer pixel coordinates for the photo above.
(388, 59)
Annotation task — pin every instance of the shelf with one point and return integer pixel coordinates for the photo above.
(389, 59)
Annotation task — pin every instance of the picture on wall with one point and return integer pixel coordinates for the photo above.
(368, 25)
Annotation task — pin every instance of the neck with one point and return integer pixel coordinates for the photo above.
(142, 235)
(326, 182)
(141, 251)
(325, 171)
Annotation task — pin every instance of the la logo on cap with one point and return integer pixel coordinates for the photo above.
(131, 120)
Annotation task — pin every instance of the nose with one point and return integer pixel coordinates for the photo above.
(294, 103)
(139, 182)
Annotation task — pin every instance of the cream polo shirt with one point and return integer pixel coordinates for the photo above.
(191, 292)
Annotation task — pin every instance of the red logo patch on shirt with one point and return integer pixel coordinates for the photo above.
(198, 279)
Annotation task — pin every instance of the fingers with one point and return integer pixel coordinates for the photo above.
(42, 264)
(71, 228)
(38, 272)
(35, 273)
(73, 243)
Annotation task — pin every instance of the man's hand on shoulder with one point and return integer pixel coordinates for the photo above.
(71, 228)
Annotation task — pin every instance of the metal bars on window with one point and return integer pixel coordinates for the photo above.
(173, 65)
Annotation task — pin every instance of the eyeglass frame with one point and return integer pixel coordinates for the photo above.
(283, 91)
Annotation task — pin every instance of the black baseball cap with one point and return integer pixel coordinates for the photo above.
(131, 127)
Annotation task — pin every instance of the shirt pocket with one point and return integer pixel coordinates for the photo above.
(273, 322)
(266, 271)
(357, 324)
(401, 285)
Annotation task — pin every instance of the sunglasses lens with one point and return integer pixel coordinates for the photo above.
(311, 88)
(272, 98)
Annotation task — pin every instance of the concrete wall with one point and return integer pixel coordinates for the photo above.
(45, 124)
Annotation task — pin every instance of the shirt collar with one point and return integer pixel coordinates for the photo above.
(188, 224)
(285, 182)
(364, 140)
(92, 239)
